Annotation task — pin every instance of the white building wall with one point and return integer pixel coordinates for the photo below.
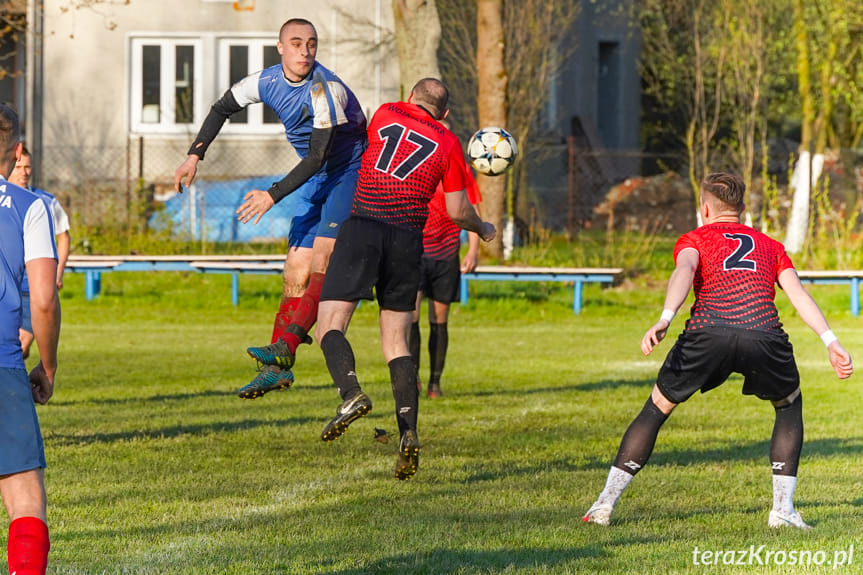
(86, 62)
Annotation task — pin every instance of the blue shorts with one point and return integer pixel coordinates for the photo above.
(322, 204)
(26, 322)
(21, 446)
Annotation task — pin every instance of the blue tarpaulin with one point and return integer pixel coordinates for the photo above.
(207, 211)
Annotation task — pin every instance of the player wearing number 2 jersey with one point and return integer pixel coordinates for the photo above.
(380, 246)
(733, 327)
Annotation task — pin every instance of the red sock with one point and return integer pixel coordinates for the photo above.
(307, 310)
(28, 546)
(283, 318)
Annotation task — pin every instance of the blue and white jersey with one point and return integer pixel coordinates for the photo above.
(26, 233)
(320, 100)
(58, 215)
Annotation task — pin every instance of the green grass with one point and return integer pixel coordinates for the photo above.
(156, 467)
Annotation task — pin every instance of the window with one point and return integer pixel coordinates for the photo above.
(165, 93)
(239, 57)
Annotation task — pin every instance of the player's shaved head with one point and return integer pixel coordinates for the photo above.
(431, 94)
(295, 22)
(727, 188)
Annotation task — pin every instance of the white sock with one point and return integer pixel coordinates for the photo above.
(615, 484)
(783, 493)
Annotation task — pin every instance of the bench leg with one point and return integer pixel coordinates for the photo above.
(463, 291)
(92, 284)
(235, 289)
(855, 296)
(576, 297)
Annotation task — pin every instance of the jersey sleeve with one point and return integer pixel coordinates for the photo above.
(329, 100)
(38, 233)
(246, 90)
(454, 178)
(686, 241)
(783, 264)
(61, 220)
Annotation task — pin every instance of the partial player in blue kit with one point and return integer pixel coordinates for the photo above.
(326, 126)
(20, 176)
(26, 243)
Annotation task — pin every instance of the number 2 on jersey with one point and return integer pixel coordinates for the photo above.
(737, 260)
(392, 136)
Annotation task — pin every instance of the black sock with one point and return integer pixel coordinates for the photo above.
(414, 345)
(787, 440)
(438, 343)
(405, 392)
(639, 439)
(341, 363)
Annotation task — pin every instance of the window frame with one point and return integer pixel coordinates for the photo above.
(254, 125)
(167, 45)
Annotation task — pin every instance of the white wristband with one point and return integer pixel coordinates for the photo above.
(667, 315)
(828, 337)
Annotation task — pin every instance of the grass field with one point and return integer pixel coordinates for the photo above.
(156, 467)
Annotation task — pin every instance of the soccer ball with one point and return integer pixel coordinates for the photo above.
(492, 151)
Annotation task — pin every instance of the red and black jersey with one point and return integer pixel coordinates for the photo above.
(441, 234)
(409, 153)
(735, 283)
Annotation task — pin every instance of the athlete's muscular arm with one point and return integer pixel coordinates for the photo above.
(812, 316)
(258, 202)
(219, 114)
(63, 242)
(463, 214)
(676, 293)
(45, 308)
(468, 263)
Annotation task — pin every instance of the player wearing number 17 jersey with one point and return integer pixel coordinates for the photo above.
(733, 327)
(379, 247)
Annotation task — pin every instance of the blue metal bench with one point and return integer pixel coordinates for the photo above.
(837, 277)
(94, 266)
(578, 277)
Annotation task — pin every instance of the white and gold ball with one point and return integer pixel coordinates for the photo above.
(492, 151)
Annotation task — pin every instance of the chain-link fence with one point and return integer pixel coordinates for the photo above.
(110, 187)
(572, 188)
(577, 188)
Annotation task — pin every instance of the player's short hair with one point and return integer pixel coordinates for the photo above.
(10, 129)
(297, 21)
(727, 188)
(432, 92)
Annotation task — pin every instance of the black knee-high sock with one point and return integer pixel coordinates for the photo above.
(414, 345)
(438, 343)
(787, 440)
(639, 439)
(405, 392)
(341, 363)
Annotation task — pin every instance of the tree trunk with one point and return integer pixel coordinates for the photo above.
(798, 221)
(417, 39)
(492, 82)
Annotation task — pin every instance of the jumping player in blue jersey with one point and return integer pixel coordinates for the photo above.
(26, 243)
(326, 126)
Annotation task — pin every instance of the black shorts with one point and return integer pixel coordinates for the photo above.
(440, 280)
(371, 254)
(704, 358)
